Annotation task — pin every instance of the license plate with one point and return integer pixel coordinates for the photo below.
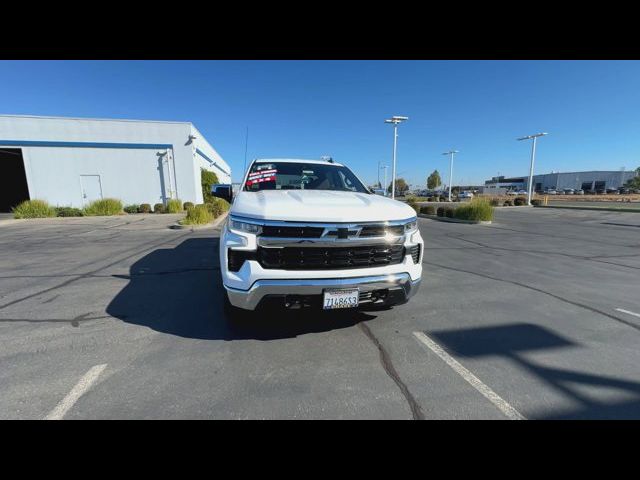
(340, 298)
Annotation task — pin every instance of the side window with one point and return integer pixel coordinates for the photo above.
(347, 183)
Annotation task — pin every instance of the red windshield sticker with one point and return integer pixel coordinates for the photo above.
(262, 176)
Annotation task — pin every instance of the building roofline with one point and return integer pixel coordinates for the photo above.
(51, 117)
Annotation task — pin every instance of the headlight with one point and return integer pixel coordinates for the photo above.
(411, 226)
(245, 227)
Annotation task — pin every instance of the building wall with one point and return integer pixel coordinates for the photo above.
(611, 179)
(205, 156)
(124, 153)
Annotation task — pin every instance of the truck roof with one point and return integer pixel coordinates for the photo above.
(297, 160)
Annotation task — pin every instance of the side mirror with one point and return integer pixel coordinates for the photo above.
(224, 191)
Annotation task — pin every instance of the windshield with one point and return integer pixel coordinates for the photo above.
(302, 176)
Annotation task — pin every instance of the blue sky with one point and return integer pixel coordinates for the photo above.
(312, 108)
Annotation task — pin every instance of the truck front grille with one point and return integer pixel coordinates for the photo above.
(291, 232)
(330, 258)
(366, 231)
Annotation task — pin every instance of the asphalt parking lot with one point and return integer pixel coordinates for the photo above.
(536, 317)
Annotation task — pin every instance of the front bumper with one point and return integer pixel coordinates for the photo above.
(393, 288)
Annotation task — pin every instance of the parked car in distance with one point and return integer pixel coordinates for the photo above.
(465, 194)
(613, 191)
(578, 192)
(512, 192)
(551, 191)
(522, 192)
(568, 191)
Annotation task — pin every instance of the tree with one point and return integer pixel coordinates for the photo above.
(633, 182)
(401, 187)
(207, 179)
(434, 180)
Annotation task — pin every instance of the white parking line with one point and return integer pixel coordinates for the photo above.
(76, 392)
(628, 312)
(475, 382)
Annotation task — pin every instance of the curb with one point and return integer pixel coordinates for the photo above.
(10, 221)
(455, 220)
(597, 209)
(215, 223)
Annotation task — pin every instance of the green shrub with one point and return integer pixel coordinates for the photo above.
(413, 204)
(158, 208)
(449, 212)
(213, 208)
(187, 205)
(174, 206)
(443, 199)
(33, 209)
(494, 202)
(508, 203)
(224, 205)
(144, 208)
(476, 209)
(198, 215)
(217, 206)
(536, 202)
(105, 207)
(440, 211)
(207, 179)
(519, 201)
(428, 210)
(132, 208)
(69, 212)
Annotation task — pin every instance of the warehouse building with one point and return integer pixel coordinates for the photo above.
(73, 161)
(587, 181)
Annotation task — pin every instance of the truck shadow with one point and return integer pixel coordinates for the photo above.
(178, 291)
(582, 388)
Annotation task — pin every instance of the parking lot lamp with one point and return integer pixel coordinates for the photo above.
(385, 178)
(452, 153)
(396, 119)
(533, 157)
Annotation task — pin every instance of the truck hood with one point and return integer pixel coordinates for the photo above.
(318, 206)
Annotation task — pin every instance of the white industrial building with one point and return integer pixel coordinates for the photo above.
(587, 181)
(72, 161)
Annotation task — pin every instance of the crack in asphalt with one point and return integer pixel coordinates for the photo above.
(539, 290)
(542, 252)
(75, 322)
(147, 246)
(166, 272)
(583, 239)
(385, 360)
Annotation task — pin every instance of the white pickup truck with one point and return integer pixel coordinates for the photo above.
(308, 233)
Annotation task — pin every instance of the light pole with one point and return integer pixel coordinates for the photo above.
(396, 119)
(452, 153)
(533, 158)
(385, 178)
